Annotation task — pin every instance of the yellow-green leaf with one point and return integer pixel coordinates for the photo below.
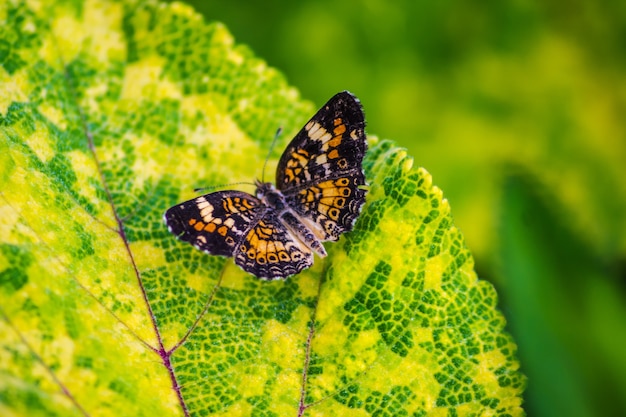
(110, 112)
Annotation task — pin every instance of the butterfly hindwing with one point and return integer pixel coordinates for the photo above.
(320, 173)
(333, 204)
(269, 251)
(216, 222)
(234, 223)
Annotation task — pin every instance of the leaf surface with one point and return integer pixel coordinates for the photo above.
(111, 112)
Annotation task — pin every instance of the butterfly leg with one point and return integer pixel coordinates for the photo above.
(302, 232)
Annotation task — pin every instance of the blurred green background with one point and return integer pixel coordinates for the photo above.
(518, 110)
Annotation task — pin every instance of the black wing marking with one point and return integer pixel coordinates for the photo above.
(215, 223)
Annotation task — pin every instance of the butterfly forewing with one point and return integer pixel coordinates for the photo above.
(320, 173)
(215, 223)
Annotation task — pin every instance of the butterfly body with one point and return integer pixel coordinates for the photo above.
(318, 196)
(275, 201)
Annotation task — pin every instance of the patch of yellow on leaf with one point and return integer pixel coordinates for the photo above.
(9, 219)
(24, 184)
(62, 348)
(222, 36)
(13, 89)
(38, 141)
(289, 383)
(308, 284)
(234, 277)
(146, 255)
(239, 409)
(434, 268)
(138, 320)
(300, 320)
(218, 132)
(66, 39)
(235, 56)
(333, 408)
(198, 282)
(349, 277)
(110, 278)
(318, 386)
(330, 338)
(365, 345)
(85, 170)
(40, 372)
(102, 21)
(182, 9)
(92, 97)
(205, 104)
(488, 361)
(422, 334)
(218, 128)
(157, 382)
(407, 162)
(54, 114)
(415, 372)
(142, 81)
(252, 384)
(282, 346)
(149, 161)
(221, 136)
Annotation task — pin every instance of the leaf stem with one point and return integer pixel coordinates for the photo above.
(165, 356)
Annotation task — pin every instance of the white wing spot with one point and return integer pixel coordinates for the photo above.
(317, 132)
(206, 211)
(322, 159)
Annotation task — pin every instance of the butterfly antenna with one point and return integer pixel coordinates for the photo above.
(213, 187)
(278, 132)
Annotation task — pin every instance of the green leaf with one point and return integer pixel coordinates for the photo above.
(110, 112)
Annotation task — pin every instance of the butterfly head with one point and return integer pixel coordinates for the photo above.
(269, 195)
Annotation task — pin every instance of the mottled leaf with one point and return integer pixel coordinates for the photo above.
(110, 112)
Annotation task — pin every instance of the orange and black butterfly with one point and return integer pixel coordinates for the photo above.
(318, 196)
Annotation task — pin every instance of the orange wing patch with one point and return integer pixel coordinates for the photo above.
(270, 250)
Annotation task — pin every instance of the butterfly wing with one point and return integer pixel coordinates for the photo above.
(321, 174)
(234, 223)
(270, 251)
(215, 223)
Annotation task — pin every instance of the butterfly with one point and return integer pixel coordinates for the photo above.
(319, 193)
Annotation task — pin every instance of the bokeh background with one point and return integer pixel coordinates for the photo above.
(518, 110)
